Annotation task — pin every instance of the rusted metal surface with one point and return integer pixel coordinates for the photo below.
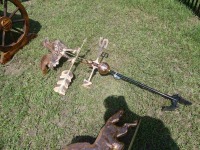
(14, 29)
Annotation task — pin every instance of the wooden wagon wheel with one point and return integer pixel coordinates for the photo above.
(14, 29)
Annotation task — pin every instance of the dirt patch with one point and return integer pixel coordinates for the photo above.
(14, 69)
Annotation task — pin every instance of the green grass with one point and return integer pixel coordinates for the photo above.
(155, 42)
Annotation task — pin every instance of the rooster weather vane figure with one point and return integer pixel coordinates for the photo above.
(104, 69)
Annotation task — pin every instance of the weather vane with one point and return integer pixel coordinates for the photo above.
(104, 69)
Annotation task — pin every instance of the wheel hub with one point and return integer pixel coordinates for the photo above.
(6, 23)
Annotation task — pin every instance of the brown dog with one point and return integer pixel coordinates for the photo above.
(107, 138)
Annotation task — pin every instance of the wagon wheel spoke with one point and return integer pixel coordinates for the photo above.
(19, 20)
(18, 30)
(14, 12)
(3, 38)
(5, 8)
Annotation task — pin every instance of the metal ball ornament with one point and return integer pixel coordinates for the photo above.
(103, 68)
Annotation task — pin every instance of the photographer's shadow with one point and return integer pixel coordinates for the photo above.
(152, 133)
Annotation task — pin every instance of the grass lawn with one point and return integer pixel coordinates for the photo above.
(156, 42)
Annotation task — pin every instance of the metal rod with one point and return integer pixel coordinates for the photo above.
(141, 85)
(135, 133)
(14, 12)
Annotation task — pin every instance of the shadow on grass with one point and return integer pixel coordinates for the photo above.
(152, 134)
(35, 26)
(193, 5)
(88, 139)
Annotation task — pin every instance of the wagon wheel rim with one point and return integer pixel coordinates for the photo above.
(8, 25)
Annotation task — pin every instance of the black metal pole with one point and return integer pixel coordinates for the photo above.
(174, 99)
(141, 85)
